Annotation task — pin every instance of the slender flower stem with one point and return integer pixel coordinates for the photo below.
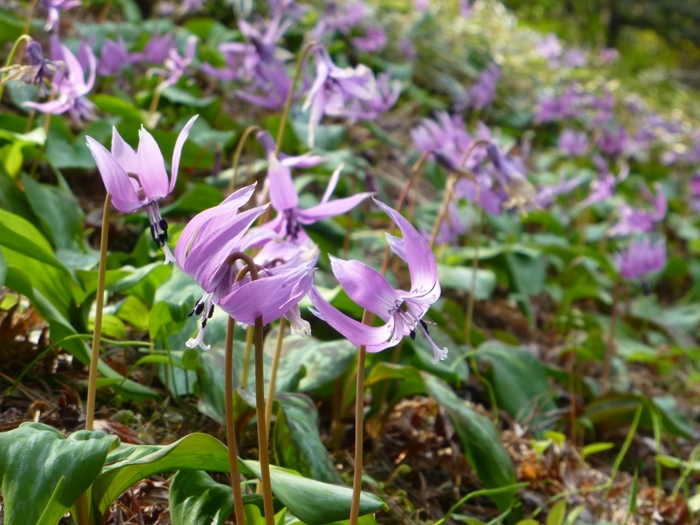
(273, 376)
(259, 393)
(103, 14)
(83, 514)
(442, 213)
(28, 20)
(237, 156)
(97, 329)
(262, 425)
(246, 357)
(290, 95)
(154, 102)
(11, 56)
(610, 346)
(230, 428)
(359, 426)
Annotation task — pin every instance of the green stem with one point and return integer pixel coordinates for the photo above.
(624, 449)
(237, 156)
(13, 52)
(97, 329)
(610, 346)
(359, 427)
(30, 13)
(230, 427)
(290, 95)
(154, 103)
(83, 514)
(273, 376)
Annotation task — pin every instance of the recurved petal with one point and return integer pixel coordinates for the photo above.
(419, 255)
(397, 245)
(177, 152)
(330, 209)
(357, 333)
(150, 167)
(270, 297)
(55, 107)
(114, 177)
(283, 195)
(125, 154)
(367, 287)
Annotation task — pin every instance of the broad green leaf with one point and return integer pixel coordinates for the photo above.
(527, 272)
(134, 312)
(480, 440)
(519, 381)
(297, 440)
(21, 236)
(594, 448)
(3, 269)
(462, 278)
(42, 473)
(182, 96)
(311, 501)
(118, 107)
(195, 498)
(196, 199)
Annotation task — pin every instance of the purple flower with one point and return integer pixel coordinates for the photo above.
(373, 41)
(38, 70)
(574, 58)
(421, 5)
(203, 249)
(53, 12)
(603, 187)
(465, 8)
(694, 192)
(613, 141)
(70, 87)
(157, 49)
(608, 55)
(115, 57)
(338, 91)
(550, 47)
(138, 179)
(553, 109)
(284, 197)
(402, 311)
(340, 17)
(482, 92)
(176, 64)
(641, 257)
(641, 221)
(573, 144)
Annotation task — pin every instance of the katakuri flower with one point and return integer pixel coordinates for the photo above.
(70, 86)
(632, 220)
(642, 256)
(402, 311)
(53, 10)
(38, 70)
(285, 199)
(137, 179)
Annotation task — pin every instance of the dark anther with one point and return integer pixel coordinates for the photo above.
(162, 238)
(211, 312)
(164, 225)
(198, 308)
(413, 335)
(424, 325)
(204, 322)
(153, 233)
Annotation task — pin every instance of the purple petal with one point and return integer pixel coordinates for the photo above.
(115, 179)
(282, 192)
(303, 161)
(125, 154)
(397, 246)
(332, 183)
(376, 337)
(367, 287)
(181, 138)
(150, 167)
(330, 209)
(419, 255)
(55, 107)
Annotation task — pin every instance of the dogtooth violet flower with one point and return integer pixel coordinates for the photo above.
(70, 86)
(53, 12)
(137, 179)
(641, 257)
(203, 252)
(285, 199)
(402, 311)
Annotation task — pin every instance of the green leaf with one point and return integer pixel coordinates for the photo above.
(134, 312)
(20, 235)
(480, 440)
(181, 96)
(196, 199)
(557, 513)
(42, 474)
(311, 501)
(297, 440)
(118, 107)
(195, 498)
(519, 381)
(527, 272)
(461, 278)
(3, 269)
(594, 448)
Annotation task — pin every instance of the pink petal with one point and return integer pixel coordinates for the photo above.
(181, 138)
(419, 255)
(116, 180)
(330, 209)
(282, 192)
(125, 154)
(150, 167)
(376, 337)
(367, 287)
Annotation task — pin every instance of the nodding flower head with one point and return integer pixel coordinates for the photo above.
(137, 179)
(402, 311)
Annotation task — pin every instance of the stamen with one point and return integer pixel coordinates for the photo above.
(413, 335)
(424, 325)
